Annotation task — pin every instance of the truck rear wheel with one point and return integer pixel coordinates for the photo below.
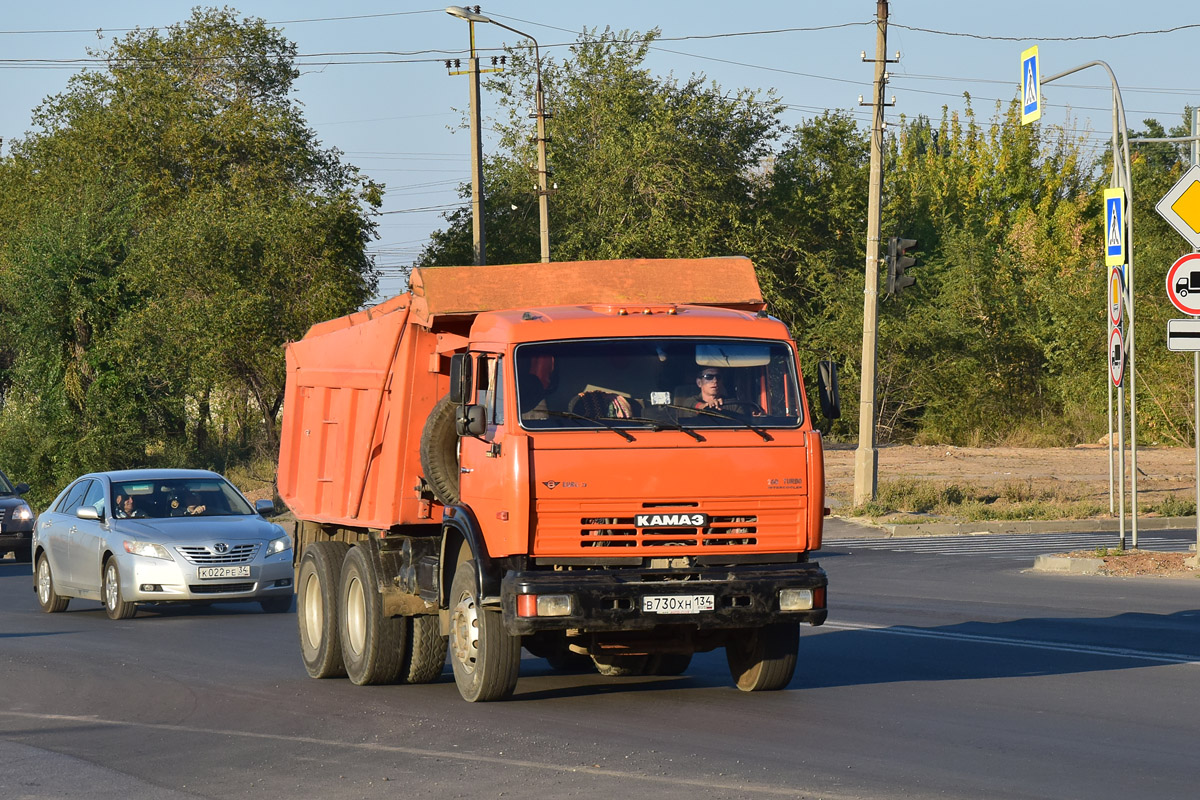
(763, 659)
(439, 452)
(425, 654)
(316, 609)
(372, 644)
(486, 659)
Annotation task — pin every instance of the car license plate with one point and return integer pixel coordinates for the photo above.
(677, 603)
(242, 571)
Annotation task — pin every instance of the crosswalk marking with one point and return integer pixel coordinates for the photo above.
(1021, 545)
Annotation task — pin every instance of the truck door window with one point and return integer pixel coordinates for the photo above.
(489, 388)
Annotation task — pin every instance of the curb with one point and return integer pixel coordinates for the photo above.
(890, 531)
(1076, 566)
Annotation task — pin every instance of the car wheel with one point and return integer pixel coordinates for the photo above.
(763, 659)
(372, 644)
(486, 659)
(115, 605)
(317, 609)
(50, 601)
(425, 651)
(23, 554)
(276, 605)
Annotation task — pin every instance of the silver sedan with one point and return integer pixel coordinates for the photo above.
(159, 536)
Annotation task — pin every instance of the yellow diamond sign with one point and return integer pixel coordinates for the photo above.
(1181, 206)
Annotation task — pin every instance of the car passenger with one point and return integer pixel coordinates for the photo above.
(127, 508)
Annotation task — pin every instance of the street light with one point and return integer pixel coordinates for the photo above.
(539, 99)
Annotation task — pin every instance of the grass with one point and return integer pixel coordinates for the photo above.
(1014, 500)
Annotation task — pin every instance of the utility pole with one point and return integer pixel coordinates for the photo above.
(866, 458)
(478, 236)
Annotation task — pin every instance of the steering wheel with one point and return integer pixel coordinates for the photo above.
(744, 405)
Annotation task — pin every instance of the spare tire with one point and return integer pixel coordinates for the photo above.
(439, 452)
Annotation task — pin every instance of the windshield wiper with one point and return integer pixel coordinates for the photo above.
(598, 420)
(722, 415)
(662, 424)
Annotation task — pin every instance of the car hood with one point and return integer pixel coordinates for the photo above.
(187, 529)
(10, 501)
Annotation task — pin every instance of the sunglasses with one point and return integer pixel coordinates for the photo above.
(710, 376)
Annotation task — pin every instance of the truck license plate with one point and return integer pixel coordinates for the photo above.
(242, 571)
(677, 603)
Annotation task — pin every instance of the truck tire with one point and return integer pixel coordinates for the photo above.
(372, 644)
(763, 659)
(486, 659)
(669, 664)
(425, 654)
(439, 452)
(316, 609)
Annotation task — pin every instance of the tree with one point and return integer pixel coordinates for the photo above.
(170, 226)
(645, 166)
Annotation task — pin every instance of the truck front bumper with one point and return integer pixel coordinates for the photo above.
(616, 599)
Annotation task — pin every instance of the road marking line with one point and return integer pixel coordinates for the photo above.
(737, 789)
(1080, 649)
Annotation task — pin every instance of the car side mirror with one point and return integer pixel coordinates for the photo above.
(87, 512)
(264, 508)
(460, 378)
(21, 488)
(470, 420)
(827, 390)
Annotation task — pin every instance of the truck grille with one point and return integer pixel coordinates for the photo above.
(237, 554)
(621, 532)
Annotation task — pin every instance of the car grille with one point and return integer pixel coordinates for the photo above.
(204, 556)
(220, 588)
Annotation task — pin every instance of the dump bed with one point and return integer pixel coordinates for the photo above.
(360, 387)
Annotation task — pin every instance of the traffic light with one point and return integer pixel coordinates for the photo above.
(898, 261)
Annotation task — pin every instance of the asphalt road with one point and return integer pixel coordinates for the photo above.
(938, 675)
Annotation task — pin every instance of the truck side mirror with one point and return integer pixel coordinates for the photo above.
(460, 378)
(827, 390)
(470, 420)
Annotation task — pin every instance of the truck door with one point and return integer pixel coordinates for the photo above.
(493, 465)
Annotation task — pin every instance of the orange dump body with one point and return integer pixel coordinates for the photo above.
(541, 482)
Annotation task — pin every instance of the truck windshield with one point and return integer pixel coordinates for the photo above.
(657, 383)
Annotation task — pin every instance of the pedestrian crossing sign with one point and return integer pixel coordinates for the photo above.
(1031, 78)
(1114, 227)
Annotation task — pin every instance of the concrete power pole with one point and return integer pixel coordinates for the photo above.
(866, 458)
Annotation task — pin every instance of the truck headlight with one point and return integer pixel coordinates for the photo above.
(795, 599)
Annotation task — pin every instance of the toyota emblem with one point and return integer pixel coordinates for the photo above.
(221, 547)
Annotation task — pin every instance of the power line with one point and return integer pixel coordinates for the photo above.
(1046, 38)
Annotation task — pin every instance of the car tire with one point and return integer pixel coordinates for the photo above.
(425, 651)
(110, 591)
(50, 601)
(23, 555)
(485, 657)
(276, 605)
(317, 609)
(372, 644)
(763, 659)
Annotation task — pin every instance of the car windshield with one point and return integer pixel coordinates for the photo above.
(5, 486)
(658, 383)
(178, 497)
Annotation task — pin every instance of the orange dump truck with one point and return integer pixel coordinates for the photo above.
(607, 461)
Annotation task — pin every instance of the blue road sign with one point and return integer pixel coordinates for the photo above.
(1031, 94)
(1114, 227)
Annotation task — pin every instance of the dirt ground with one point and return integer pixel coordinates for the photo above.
(1067, 473)
(1072, 473)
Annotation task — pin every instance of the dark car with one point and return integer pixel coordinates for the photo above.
(16, 519)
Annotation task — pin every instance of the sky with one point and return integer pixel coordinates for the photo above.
(373, 82)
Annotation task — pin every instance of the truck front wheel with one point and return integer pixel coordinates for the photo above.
(372, 644)
(763, 659)
(486, 659)
(316, 609)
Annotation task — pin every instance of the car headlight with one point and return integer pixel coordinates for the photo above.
(280, 545)
(148, 549)
(22, 513)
